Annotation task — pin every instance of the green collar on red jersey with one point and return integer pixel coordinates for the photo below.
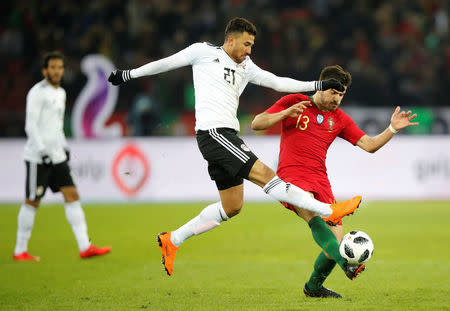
(312, 100)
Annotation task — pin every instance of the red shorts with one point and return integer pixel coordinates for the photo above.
(320, 189)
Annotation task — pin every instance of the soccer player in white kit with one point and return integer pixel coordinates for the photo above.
(220, 76)
(46, 158)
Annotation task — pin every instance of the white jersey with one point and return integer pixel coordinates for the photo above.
(44, 123)
(219, 81)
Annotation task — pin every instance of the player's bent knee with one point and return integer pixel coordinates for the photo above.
(232, 200)
(70, 194)
(34, 203)
(306, 215)
(233, 213)
(233, 210)
(72, 198)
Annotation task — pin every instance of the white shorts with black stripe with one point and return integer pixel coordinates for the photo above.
(40, 176)
(229, 159)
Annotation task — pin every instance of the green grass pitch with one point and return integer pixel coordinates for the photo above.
(257, 261)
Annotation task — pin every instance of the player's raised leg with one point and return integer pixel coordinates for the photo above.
(230, 204)
(229, 162)
(75, 217)
(266, 178)
(342, 209)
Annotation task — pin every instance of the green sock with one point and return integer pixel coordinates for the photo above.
(325, 238)
(322, 269)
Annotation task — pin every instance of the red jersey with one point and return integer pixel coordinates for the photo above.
(305, 141)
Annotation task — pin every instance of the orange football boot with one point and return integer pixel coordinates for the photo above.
(95, 251)
(168, 251)
(342, 209)
(26, 257)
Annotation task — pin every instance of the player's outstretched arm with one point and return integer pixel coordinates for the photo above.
(283, 84)
(182, 58)
(266, 120)
(175, 61)
(399, 120)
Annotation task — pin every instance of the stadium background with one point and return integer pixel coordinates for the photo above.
(397, 51)
(141, 156)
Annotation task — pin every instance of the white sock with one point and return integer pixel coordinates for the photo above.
(209, 218)
(25, 222)
(289, 193)
(75, 216)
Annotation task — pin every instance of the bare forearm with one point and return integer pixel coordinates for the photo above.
(381, 139)
(399, 120)
(372, 144)
(265, 120)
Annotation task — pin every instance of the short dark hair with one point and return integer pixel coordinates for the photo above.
(239, 25)
(51, 55)
(338, 73)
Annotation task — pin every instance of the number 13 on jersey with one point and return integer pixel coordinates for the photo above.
(304, 122)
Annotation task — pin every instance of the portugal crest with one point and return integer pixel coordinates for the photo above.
(319, 119)
(330, 123)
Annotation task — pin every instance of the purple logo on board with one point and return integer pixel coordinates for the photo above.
(96, 101)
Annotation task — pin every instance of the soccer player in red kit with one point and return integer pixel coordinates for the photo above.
(309, 125)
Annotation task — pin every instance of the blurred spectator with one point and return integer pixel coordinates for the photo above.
(143, 118)
(397, 50)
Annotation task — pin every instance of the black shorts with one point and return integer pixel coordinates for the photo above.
(40, 176)
(229, 159)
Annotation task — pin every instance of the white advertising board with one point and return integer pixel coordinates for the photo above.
(172, 169)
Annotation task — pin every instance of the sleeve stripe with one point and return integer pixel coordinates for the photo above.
(126, 75)
(319, 85)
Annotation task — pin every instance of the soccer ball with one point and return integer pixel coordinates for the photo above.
(356, 247)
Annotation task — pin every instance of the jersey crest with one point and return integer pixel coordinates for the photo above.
(245, 148)
(319, 118)
(330, 123)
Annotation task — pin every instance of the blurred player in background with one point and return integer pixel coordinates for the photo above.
(221, 74)
(306, 135)
(46, 158)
